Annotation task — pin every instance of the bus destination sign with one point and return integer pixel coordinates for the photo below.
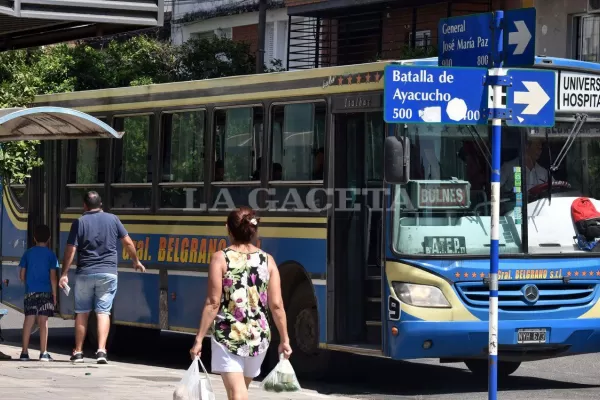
(442, 194)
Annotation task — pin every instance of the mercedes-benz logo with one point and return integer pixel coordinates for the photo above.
(531, 293)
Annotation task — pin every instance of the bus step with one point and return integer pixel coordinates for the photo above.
(373, 287)
(374, 270)
(373, 311)
(373, 332)
(372, 350)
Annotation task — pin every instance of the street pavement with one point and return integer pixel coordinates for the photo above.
(119, 380)
(61, 379)
(151, 371)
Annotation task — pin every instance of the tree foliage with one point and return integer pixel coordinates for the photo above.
(137, 61)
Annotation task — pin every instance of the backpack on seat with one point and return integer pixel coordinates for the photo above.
(587, 223)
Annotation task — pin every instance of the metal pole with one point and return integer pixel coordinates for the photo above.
(262, 26)
(495, 184)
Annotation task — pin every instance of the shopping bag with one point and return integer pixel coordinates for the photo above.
(194, 385)
(282, 378)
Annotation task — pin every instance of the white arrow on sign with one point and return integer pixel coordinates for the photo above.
(535, 97)
(521, 37)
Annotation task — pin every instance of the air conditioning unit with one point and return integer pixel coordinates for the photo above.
(593, 6)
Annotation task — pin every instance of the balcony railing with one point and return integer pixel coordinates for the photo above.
(386, 30)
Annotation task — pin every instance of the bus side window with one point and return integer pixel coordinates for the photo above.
(86, 169)
(132, 183)
(19, 192)
(182, 174)
(375, 134)
(297, 154)
(238, 137)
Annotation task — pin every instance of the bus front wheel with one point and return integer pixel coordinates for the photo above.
(303, 328)
(481, 367)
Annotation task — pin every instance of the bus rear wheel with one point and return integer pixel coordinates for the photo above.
(481, 367)
(308, 359)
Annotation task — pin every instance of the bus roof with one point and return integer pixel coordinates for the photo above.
(255, 88)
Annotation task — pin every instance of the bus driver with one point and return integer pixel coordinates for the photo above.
(536, 174)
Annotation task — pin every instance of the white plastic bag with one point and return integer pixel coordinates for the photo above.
(194, 386)
(282, 378)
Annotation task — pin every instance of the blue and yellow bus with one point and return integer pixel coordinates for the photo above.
(394, 267)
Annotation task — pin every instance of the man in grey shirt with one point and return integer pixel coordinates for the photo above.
(94, 236)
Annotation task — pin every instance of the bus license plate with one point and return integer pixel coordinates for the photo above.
(531, 336)
(444, 245)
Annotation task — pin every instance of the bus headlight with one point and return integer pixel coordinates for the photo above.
(420, 295)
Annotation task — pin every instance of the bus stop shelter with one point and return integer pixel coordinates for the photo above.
(49, 123)
(30, 23)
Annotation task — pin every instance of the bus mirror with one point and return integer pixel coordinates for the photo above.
(396, 155)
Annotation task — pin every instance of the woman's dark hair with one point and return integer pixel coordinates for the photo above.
(243, 224)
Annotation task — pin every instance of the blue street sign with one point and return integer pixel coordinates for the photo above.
(465, 41)
(429, 94)
(519, 37)
(531, 97)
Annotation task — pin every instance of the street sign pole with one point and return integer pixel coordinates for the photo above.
(496, 73)
(478, 53)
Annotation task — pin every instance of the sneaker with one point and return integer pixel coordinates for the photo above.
(101, 357)
(77, 357)
(24, 357)
(46, 357)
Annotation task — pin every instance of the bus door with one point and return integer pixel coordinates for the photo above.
(52, 183)
(36, 202)
(43, 201)
(357, 227)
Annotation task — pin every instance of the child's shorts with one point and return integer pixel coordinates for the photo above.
(39, 304)
(223, 361)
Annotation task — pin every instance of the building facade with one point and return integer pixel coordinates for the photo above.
(234, 20)
(339, 32)
(568, 28)
(305, 34)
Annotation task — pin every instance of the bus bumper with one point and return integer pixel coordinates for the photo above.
(463, 340)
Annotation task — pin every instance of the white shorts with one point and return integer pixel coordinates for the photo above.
(223, 360)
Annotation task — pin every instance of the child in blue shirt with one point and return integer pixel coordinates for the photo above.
(39, 271)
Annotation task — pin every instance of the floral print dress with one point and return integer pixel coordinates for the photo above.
(242, 326)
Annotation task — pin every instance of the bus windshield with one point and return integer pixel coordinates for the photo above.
(446, 206)
(550, 224)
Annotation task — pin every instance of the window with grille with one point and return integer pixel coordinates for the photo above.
(587, 46)
(422, 38)
(224, 33)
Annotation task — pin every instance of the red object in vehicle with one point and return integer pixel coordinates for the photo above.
(582, 209)
(586, 218)
(543, 187)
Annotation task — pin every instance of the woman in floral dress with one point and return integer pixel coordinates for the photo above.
(243, 285)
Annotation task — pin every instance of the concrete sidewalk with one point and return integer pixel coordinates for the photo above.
(60, 380)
